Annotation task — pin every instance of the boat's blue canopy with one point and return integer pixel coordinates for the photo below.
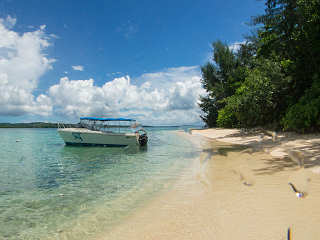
(106, 119)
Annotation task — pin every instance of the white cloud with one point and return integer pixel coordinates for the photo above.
(168, 97)
(236, 46)
(22, 63)
(9, 22)
(43, 27)
(78, 68)
(54, 36)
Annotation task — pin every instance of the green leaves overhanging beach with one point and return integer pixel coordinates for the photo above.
(273, 79)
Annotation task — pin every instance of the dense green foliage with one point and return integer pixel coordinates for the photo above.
(305, 115)
(273, 79)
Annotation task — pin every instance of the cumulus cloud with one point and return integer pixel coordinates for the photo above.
(77, 68)
(167, 97)
(9, 22)
(22, 63)
(236, 46)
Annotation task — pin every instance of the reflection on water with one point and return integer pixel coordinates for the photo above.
(49, 190)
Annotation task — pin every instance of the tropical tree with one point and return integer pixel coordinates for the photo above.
(220, 80)
(274, 78)
(291, 31)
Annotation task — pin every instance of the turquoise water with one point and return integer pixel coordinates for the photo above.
(52, 191)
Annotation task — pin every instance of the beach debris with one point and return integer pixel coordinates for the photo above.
(289, 234)
(261, 136)
(243, 179)
(296, 156)
(298, 193)
(247, 184)
(274, 136)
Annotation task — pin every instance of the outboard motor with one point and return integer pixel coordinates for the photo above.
(143, 139)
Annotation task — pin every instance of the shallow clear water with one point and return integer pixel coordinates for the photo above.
(49, 190)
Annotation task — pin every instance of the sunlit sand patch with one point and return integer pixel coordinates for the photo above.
(316, 170)
(233, 187)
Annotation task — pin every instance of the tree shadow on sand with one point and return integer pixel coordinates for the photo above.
(219, 148)
(301, 150)
(306, 156)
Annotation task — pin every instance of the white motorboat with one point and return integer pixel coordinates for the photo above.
(107, 132)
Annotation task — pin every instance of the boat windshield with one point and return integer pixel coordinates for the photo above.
(110, 125)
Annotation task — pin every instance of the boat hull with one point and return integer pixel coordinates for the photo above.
(85, 137)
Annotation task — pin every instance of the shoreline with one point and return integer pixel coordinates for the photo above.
(237, 189)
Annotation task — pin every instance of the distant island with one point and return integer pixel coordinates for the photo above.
(32, 125)
(69, 125)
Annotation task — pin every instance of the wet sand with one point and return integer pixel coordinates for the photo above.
(237, 189)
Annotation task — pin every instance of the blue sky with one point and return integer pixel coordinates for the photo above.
(60, 60)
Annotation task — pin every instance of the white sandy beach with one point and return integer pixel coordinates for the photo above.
(237, 189)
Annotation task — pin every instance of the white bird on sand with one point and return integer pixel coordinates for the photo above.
(299, 194)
